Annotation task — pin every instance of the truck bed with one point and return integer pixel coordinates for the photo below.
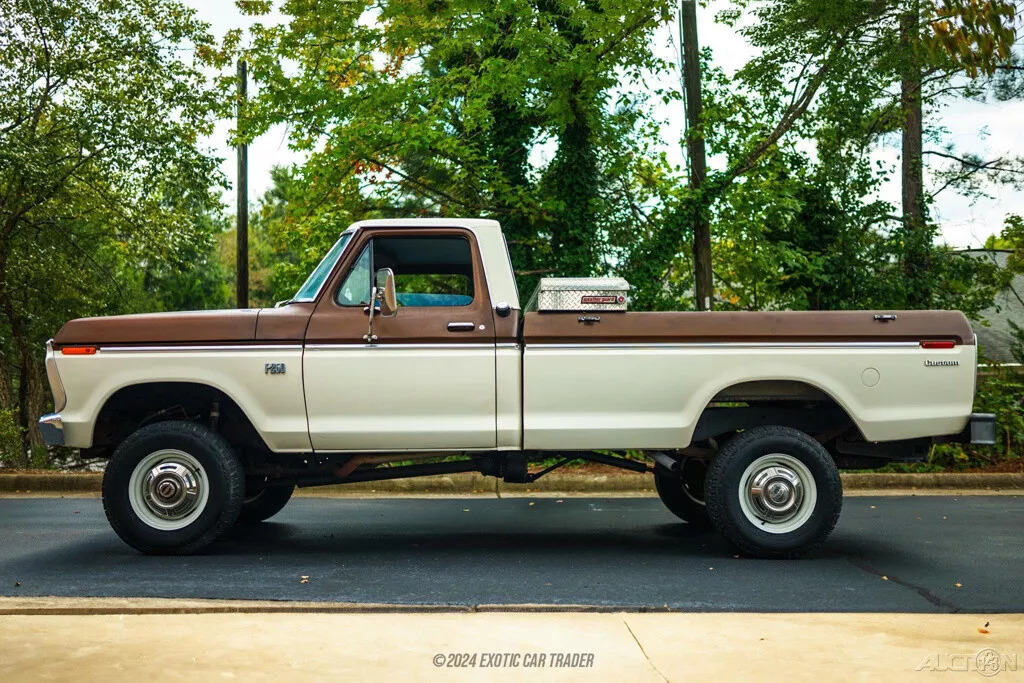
(642, 380)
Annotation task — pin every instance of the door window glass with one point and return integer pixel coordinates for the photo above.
(355, 290)
(435, 270)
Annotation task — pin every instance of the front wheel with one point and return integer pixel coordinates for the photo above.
(171, 488)
(774, 492)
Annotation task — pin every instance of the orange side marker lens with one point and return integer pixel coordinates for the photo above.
(78, 350)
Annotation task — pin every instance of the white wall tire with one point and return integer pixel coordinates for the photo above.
(774, 492)
(171, 488)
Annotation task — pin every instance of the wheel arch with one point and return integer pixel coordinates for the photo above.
(139, 403)
(797, 403)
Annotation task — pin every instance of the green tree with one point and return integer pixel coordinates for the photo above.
(880, 68)
(100, 170)
(801, 229)
(464, 108)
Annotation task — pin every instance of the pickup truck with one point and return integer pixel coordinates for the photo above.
(406, 353)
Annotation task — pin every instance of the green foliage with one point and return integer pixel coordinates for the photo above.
(534, 112)
(442, 109)
(291, 231)
(1012, 239)
(978, 35)
(12, 448)
(1017, 345)
(1000, 391)
(100, 172)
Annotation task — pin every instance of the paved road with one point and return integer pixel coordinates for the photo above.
(618, 552)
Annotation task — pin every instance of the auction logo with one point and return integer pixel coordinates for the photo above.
(987, 662)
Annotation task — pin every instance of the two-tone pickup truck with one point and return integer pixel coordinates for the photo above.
(406, 353)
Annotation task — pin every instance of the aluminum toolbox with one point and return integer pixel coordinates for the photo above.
(579, 294)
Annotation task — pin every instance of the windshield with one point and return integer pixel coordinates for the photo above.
(309, 289)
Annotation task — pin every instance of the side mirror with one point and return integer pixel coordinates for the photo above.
(385, 282)
(382, 293)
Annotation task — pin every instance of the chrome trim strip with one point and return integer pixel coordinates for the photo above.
(331, 347)
(733, 345)
(511, 345)
(211, 347)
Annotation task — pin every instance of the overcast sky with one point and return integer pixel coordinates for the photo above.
(989, 129)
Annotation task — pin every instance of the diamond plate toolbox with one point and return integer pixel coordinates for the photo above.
(580, 294)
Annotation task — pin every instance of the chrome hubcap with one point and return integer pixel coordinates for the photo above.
(777, 493)
(168, 489)
(172, 490)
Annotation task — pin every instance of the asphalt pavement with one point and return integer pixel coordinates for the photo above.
(888, 554)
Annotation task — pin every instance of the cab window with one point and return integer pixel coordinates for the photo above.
(355, 290)
(434, 270)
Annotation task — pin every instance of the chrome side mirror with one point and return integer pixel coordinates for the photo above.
(386, 293)
(382, 294)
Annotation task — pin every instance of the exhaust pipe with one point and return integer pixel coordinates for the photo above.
(667, 462)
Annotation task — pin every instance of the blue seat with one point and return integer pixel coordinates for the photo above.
(412, 299)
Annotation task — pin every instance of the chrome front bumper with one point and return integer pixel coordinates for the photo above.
(52, 428)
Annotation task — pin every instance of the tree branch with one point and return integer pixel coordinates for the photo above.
(794, 112)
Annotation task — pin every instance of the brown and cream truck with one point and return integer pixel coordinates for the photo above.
(406, 353)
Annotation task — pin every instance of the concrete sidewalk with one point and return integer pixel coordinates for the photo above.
(203, 644)
(625, 484)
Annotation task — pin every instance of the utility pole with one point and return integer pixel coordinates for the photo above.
(702, 276)
(242, 202)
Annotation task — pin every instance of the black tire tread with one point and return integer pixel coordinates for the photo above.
(670, 491)
(265, 504)
(219, 448)
(715, 492)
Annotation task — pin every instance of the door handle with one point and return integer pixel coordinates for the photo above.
(461, 327)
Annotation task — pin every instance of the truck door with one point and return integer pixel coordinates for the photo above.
(427, 381)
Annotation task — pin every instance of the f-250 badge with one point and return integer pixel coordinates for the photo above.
(273, 369)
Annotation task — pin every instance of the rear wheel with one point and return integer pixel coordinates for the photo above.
(683, 494)
(171, 488)
(263, 502)
(774, 492)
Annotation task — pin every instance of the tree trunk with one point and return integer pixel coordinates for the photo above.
(917, 237)
(242, 203)
(703, 285)
(24, 420)
(18, 345)
(508, 148)
(572, 181)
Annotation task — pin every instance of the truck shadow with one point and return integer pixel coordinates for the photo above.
(277, 538)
